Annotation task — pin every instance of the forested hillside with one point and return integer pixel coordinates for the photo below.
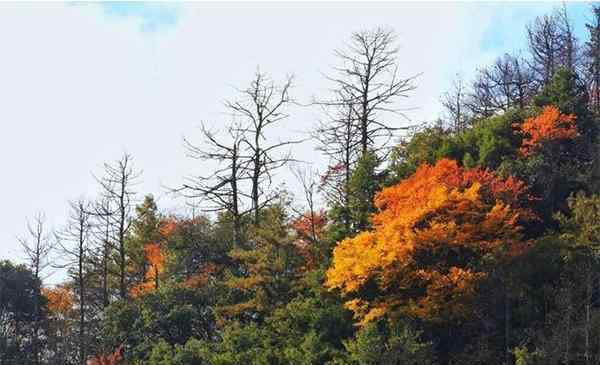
(471, 240)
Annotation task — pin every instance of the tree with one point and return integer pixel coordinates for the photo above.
(581, 233)
(268, 266)
(37, 247)
(117, 184)
(103, 232)
(223, 188)
(592, 57)
(425, 253)
(263, 105)
(503, 85)
(363, 185)
(22, 309)
(544, 44)
(454, 103)
(145, 232)
(550, 125)
(338, 141)
(387, 344)
(62, 347)
(367, 82)
(74, 244)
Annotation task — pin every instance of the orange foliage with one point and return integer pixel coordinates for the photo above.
(424, 255)
(156, 261)
(201, 278)
(112, 359)
(309, 228)
(305, 224)
(167, 227)
(550, 125)
(60, 300)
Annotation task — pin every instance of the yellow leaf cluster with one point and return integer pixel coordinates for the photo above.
(424, 255)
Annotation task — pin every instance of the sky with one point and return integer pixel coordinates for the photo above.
(83, 83)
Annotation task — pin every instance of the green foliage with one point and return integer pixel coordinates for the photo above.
(387, 343)
(21, 307)
(172, 315)
(363, 185)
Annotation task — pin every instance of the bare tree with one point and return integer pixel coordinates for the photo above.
(117, 184)
(454, 103)
(367, 81)
(308, 179)
(263, 105)
(221, 190)
(592, 57)
(569, 52)
(338, 140)
(544, 44)
(37, 245)
(101, 254)
(73, 241)
(552, 44)
(507, 83)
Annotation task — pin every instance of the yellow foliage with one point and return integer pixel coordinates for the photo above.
(423, 256)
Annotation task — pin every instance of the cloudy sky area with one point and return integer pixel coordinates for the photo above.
(82, 83)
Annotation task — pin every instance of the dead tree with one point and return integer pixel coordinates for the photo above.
(37, 245)
(569, 52)
(117, 184)
(454, 103)
(101, 255)
(507, 83)
(367, 81)
(73, 241)
(552, 45)
(262, 106)
(480, 100)
(592, 57)
(309, 183)
(221, 190)
(339, 141)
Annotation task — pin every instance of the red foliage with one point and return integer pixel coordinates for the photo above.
(111, 359)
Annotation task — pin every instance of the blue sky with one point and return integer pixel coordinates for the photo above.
(82, 83)
(154, 17)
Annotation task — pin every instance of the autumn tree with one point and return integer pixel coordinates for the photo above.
(550, 125)
(268, 267)
(144, 231)
(431, 238)
(62, 346)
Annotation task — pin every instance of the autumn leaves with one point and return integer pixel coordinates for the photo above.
(438, 233)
